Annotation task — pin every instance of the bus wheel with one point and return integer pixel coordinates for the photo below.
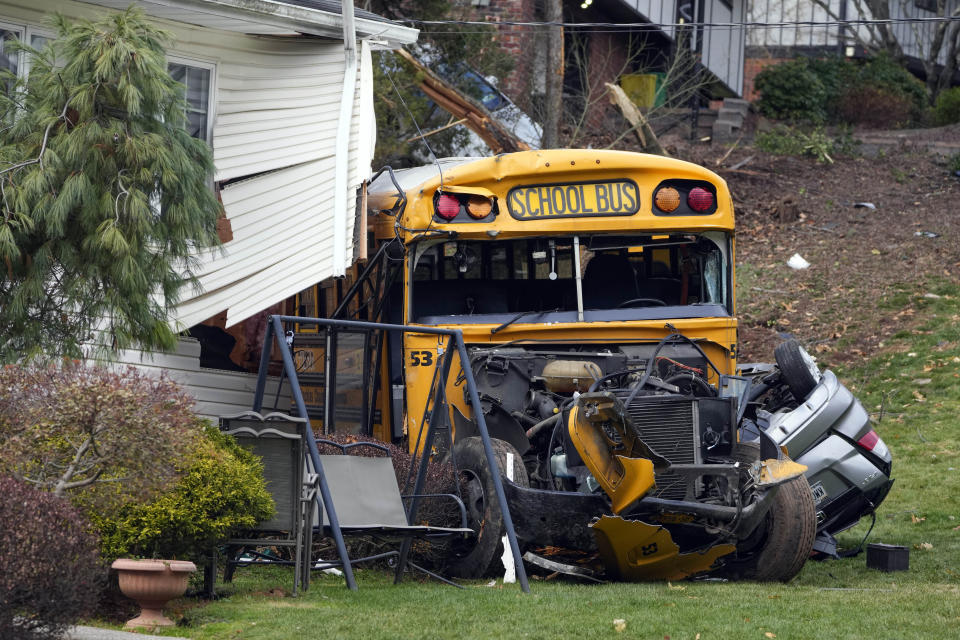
(481, 553)
(781, 544)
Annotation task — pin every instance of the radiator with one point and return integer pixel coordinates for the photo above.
(669, 426)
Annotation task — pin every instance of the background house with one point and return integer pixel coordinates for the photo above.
(266, 83)
(596, 55)
(821, 35)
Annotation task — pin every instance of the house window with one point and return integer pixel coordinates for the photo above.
(198, 79)
(9, 60)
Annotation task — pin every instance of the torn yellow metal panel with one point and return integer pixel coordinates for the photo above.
(774, 472)
(625, 480)
(634, 550)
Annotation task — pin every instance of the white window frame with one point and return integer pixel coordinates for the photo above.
(211, 66)
(21, 30)
(26, 32)
(29, 33)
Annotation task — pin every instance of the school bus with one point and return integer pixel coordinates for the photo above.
(595, 291)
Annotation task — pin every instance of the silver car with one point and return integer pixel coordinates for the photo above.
(820, 424)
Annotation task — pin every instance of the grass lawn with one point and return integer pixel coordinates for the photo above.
(914, 381)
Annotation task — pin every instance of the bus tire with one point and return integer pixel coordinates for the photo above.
(781, 544)
(482, 553)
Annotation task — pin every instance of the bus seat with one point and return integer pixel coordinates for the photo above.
(608, 281)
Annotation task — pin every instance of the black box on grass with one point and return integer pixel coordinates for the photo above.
(887, 557)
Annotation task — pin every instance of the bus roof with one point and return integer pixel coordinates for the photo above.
(497, 175)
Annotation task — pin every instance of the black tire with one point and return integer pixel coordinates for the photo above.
(797, 369)
(483, 513)
(781, 544)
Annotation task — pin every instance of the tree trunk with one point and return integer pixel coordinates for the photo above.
(553, 12)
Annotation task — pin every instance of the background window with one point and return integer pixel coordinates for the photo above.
(9, 60)
(197, 81)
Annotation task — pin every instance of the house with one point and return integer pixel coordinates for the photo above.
(282, 91)
(596, 55)
(821, 31)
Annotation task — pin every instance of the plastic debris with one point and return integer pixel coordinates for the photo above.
(797, 262)
(926, 234)
(864, 205)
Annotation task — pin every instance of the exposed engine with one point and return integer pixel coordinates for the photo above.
(527, 391)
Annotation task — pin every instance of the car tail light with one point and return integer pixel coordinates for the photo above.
(479, 207)
(667, 199)
(699, 199)
(448, 207)
(869, 440)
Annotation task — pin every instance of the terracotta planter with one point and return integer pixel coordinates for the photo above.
(152, 583)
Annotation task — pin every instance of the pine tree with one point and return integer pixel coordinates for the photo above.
(105, 198)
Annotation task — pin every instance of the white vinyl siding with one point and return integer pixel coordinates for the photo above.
(282, 133)
(216, 393)
(276, 121)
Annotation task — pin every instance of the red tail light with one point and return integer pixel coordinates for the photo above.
(699, 199)
(448, 207)
(869, 440)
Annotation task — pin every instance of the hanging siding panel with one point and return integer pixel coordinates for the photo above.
(278, 122)
(296, 91)
(276, 214)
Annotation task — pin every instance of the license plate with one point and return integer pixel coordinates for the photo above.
(577, 200)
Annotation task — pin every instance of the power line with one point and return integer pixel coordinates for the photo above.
(680, 25)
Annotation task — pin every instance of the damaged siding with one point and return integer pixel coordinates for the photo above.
(276, 121)
(217, 393)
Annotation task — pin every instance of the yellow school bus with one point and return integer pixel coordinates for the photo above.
(595, 292)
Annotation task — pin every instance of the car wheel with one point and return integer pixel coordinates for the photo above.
(781, 544)
(475, 557)
(798, 368)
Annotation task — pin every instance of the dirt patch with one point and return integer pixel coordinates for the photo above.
(868, 263)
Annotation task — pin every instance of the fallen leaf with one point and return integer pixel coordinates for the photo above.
(915, 519)
(697, 637)
(675, 588)
(919, 396)
(619, 625)
(923, 546)
(875, 252)
(770, 634)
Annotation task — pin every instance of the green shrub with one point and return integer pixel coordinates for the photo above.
(790, 141)
(883, 73)
(51, 572)
(877, 93)
(947, 108)
(221, 489)
(953, 164)
(791, 91)
(836, 74)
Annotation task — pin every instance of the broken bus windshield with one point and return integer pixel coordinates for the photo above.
(638, 276)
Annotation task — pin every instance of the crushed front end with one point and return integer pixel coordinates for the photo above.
(642, 466)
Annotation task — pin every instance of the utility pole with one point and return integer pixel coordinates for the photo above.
(553, 12)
